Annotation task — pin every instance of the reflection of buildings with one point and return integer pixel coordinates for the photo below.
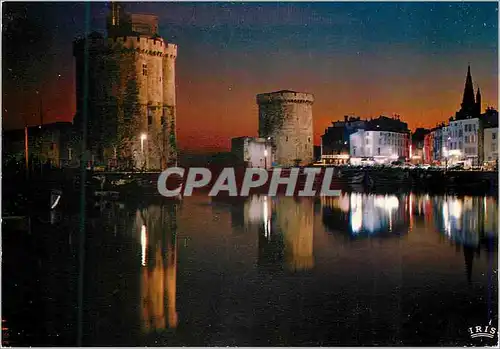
(157, 228)
(285, 231)
(459, 218)
(362, 214)
(468, 221)
(420, 209)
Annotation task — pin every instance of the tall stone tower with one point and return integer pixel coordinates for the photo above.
(137, 70)
(285, 117)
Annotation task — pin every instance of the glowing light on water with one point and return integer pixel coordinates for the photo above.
(267, 232)
(446, 219)
(455, 207)
(344, 203)
(55, 202)
(356, 212)
(389, 202)
(144, 242)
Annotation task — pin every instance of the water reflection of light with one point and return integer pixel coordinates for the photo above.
(144, 243)
(446, 220)
(356, 212)
(389, 202)
(463, 221)
(485, 208)
(56, 201)
(265, 214)
(455, 208)
(158, 276)
(344, 203)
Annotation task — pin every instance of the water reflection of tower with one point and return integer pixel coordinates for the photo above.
(158, 227)
(286, 235)
(469, 259)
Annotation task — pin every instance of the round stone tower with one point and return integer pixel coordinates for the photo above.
(154, 60)
(285, 118)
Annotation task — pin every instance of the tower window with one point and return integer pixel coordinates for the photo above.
(286, 139)
(145, 69)
(309, 139)
(150, 116)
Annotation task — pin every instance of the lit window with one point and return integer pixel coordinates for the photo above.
(150, 116)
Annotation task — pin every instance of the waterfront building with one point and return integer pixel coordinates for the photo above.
(335, 145)
(490, 147)
(383, 140)
(285, 118)
(417, 154)
(253, 152)
(465, 142)
(130, 96)
(434, 143)
(428, 150)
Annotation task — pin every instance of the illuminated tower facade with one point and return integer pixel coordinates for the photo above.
(135, 67)
(154, 58)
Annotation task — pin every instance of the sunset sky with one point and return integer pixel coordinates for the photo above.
(365, 59)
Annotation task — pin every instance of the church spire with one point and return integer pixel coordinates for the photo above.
(478, 101)
(468, 101)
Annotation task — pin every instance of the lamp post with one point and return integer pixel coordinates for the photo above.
(265, 152)
(445, 154)
(265, 157)
(143, 138)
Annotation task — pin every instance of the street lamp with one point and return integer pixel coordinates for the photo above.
(265, 152)
(445, 154)
(143, 138)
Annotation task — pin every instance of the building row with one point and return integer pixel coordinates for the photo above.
(471, 142)
(469, 138)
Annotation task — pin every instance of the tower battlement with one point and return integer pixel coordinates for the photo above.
(156, 46)
(285, 96)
